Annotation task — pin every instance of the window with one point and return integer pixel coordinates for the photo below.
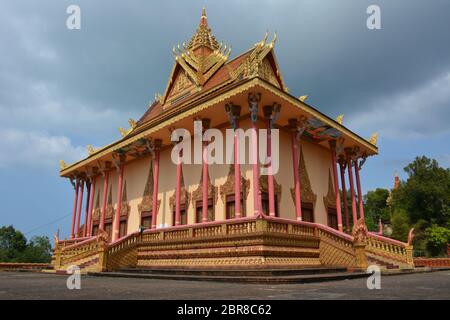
(265, 204)
(122, 228)
(183, 215)
(95, 229)
(332, 218)
(146, 219)
(230, 207)
(307, 212)
(199, 209)
(108, 228)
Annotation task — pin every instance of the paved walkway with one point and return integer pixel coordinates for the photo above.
(25, 285)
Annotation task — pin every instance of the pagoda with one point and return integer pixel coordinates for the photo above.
(144, 210)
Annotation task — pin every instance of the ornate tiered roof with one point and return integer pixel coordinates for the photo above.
(201, 71)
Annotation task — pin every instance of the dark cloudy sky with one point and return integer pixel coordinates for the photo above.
(62, 89)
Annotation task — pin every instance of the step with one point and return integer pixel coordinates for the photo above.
(234, 272)
(243, 279)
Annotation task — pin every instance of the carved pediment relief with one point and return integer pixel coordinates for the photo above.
(97, 211)
(181, 84)
(197, 194)
(125, 206)
(228, 187)
(146, 204)
(109, 207)
(264, 186)
(306, 193)
(330, 199)
(185, 196)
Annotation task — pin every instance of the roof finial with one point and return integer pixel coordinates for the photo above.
(203, 19)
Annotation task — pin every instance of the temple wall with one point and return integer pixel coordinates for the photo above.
(317, 160)
(318, 164)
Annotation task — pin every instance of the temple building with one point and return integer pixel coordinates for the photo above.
(133, 206)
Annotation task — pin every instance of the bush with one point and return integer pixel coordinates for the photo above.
(437, 239)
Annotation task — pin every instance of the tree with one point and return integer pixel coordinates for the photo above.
(437, 239)
(12, 243)
(426, 193)
(14, 247)
(375, 207)
(39, 250)
(400, 224)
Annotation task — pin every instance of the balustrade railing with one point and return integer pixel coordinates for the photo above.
(388, 248)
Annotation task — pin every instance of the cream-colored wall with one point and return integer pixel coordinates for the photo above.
(317, 161)
(318, 164)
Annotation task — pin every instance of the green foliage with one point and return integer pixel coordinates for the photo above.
(400, 225)
(437, 239)
(14, 247)
(375, 208)
(426, 193)
(421, 202)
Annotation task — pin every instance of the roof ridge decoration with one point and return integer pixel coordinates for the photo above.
(200, 58)
(255, 65)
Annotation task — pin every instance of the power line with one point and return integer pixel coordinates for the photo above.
(47, 224)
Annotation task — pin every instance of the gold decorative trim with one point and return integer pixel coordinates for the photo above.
(185, 196)
(186, 110)
(197, 194)
(96, 214)
(306, 193)
(109, 207)
(228, 187)
(264, 186)
(125, 206)
(147, 198)
(330, 199)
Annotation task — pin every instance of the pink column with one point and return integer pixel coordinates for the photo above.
(205, 124)
(105, 199)
(155, 183)
(358, 188)
(253, 101)
(80, 204)
(178, 191)
(91, 203)
(86, 209)
(336, 184)
(352, 188)
(74, 214)
(116, 223)
(295, 152)
(344, 195)
(234, 111)
(380, 227)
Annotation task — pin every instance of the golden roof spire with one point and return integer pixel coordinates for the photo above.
(203, 18)
(203, 37)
